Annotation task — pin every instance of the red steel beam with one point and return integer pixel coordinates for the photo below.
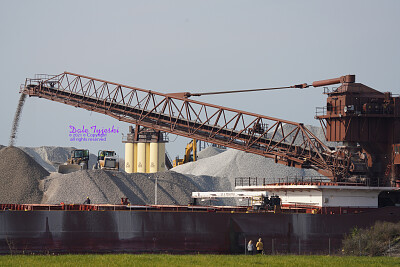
(193, 119)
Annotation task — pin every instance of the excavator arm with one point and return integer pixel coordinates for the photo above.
(286, 142)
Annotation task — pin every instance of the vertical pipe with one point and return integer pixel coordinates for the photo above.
(155, 190)
(299, 247)
(141, 158)
(329, 246)
(272, 248)
(147, 163)
(135, 155)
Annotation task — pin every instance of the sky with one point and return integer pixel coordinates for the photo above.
(195, 46)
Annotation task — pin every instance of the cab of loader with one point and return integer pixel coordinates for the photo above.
(190, 154)
(107, 159)
(80, 154)
(78, 160)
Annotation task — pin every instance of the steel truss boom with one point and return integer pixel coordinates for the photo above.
(287, 142)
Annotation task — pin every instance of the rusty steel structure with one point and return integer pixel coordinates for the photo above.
(367, 122)
(287, 142)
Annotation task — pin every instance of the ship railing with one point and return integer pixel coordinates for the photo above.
(302, 180)
(366, 109)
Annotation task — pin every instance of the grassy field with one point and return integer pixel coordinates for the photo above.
(194, 260)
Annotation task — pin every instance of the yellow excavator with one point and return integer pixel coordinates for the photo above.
(77, 161)
(190, 154)
(107, 160)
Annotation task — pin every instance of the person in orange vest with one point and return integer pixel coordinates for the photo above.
(260, 246)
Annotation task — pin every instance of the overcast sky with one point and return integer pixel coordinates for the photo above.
(174, 46)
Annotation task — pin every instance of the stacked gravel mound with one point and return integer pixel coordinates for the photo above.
(19, 177)
(50, 156)
(108, 187)
(234, 163)
(209, 152)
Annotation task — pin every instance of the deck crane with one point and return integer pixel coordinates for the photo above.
(286, 142)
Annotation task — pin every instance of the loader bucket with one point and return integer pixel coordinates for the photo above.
(68, 168)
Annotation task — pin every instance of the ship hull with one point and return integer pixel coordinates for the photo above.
(125, 231)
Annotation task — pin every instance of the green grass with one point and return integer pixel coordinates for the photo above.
(194, 260)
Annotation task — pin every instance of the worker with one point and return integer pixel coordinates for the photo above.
(250, 247)
(87, 201)
(260, 246)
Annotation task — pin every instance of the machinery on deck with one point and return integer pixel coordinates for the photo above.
(365, 120)
(259, 199)
(77, 161)
(107, 160)
(190, 154)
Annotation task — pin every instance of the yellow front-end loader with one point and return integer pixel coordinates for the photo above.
(77, 161)
(107, 160)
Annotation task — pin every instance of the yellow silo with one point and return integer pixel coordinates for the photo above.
(141, 157)
(129, 158)
(153, 158)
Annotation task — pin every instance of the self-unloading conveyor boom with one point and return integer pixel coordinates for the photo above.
(287, 142)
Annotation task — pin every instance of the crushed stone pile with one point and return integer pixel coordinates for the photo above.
(231, 164)
(209, 152)
(50, 157)
(235, 163)
(25, 180)
(108, 187)
(217, 169)
(19, 176)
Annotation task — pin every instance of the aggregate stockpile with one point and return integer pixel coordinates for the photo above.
(50, 157)
(215, 170)
(228, 164)
(233, 163)
(20, 176)
(108, 187)
(25, 181)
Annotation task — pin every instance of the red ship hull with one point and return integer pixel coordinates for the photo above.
(141, 231)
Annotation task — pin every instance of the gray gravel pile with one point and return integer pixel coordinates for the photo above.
(209, 152)
(19, 177)
(317, 131)
(108, 187)
(50, 156)
(24, 180)
(217, 169)
(234, 163)
(221, 167)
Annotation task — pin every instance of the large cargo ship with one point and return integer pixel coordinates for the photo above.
(313, 225)
(363, 174)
